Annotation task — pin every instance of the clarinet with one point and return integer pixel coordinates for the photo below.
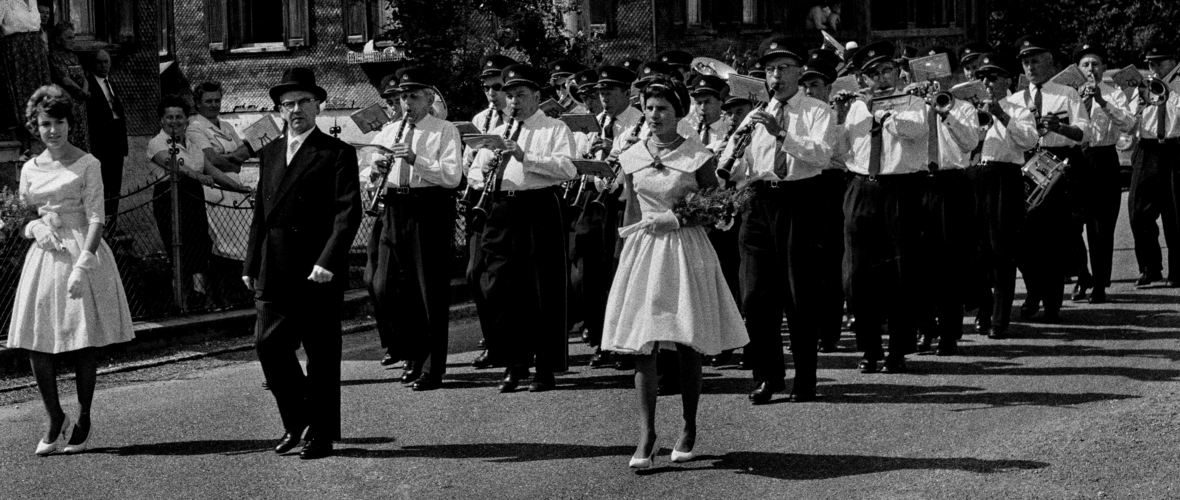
(616, 167)
(375, 207)
(479, 213)
(487, 122)
(743, 134)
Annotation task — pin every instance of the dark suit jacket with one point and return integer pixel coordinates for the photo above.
(108, 136)
(305, 214)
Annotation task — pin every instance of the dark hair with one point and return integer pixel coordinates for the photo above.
(58, 29)
(51, 100)
(172, 101)
(669, 90)
(204, 88)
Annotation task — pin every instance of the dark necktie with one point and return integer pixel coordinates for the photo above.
(932, 149)
(780, 157)
(876, 145)
(403, 174)
(1161, 121)
(112, 101)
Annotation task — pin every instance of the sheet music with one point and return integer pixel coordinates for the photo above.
(261, 132)
(370, 119)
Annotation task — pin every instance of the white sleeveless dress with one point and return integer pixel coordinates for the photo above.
(669, 288)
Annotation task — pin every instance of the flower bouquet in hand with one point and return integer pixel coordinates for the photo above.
(14, 214)
(711, 207)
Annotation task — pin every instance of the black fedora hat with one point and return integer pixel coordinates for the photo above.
(298, 79)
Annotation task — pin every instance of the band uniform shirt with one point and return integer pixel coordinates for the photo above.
(1061, 100)
(624, 124)
(1109, 122)
(498, 117)
(548, 146)
(1148, 119)
(436, 144)
(687, 127)
(904, 136)
(805, 122)
(221, 138)
(958, 134)
(837, 138)
(1007, 143)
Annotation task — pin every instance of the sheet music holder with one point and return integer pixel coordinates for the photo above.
(365, 152)
(748, 87)
(1071, 76)
(845, 83)
(261, 132)
(930, 67)
(581, 122)
(370, 119)
(551, 107)
(466, 128)
(594, 167)
(490, 141)
(1128, 77)
(973, 92)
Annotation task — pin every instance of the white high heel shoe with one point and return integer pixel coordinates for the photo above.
(80, 447)
(644, 463)
(681, 457)
(46, 449)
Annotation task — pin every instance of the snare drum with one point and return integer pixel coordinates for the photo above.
(1043, 171)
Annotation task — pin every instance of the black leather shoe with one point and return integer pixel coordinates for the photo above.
(924, 345)
(482, 344)
(426, 383)
(1051, 317)
(828, 347)
(388, 360)
(585, 336)
(1148, 278)
(764, 390)
(895, 365)
(600, 359)
(801, 397)
(948, 348)
(1079, 292)
(316, 448)
(997, 333)
(722, 359)
(542, 382)
(982, 324)
(624, 363)
(512, 378)
(482, 361)
(1170, 283)
(410, 375)
(867, 366)
(1029, 309)
(1098, 296)
(745, 364)
(289, 441)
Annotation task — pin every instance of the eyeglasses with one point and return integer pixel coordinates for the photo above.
(782, 68)
(495, 87)
(291, 105)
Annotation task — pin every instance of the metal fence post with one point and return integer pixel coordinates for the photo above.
(178, 288)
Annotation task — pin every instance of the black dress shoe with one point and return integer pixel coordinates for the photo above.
(722, 359)
(289, 441)
(745, 364)
(410, 375)
(316, 448)
(483, 344)
(895, 365)
(482, 361)
(600, 359)
(924, 345)
(801, 397)
(1079, 292)
(982, 324)
(1029, 309)
(426, 383)
(624, 363)
(1051, 317)
(948, 348)
(997, 333)
(512, 378)
(585, 336)
(542, 382)
(1170, 283)
(828, 347)
(1098, 296)
(867, 366)
(388, 360)
(765, 389)
(1148, 278)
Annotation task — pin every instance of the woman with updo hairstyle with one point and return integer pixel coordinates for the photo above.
(70, 297)
(66, 71)
(668, 292)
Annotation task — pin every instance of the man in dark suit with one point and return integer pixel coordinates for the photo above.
(306, 213)
(108, 133)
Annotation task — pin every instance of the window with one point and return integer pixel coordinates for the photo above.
(918, 14)
(366, 20)
(602, 16)
(244, 26)
(693, 12)
(749, 11)
(98, 22)
(166, 20)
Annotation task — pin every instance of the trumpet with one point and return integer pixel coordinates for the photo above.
(376, 207)
(632, 138)
(479, 213)
(1157, 91)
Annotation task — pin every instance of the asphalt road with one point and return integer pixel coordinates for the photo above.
(1086, 409)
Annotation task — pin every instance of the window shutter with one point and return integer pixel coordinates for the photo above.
(216, 24)
(356, 20)
(298, 23)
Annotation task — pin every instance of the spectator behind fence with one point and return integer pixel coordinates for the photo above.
(66, 70)
(818, 16)
(193, 171)
(228, 211)
(24, 61)
(108, 133)
(70, 297)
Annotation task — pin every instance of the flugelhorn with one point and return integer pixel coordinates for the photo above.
(1157, 91)
(376, 206)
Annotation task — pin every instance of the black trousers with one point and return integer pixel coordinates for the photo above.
(780, 246)
(999, 212)
(592, 248)
(112, 186)
(831, 207)
(1047, 233)
(1100, 200)
(409, 265)
(946, 241)
(312, 321)
(524, 280)
(1155, 186)
(882, 259)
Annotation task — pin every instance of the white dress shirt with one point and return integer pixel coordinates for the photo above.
(958, 134)
(481, 118)
(548, 146)
(435, 144)
(717, 130)
(1148, 119)
(295, 143)
(805, 122)
(1108, 123)
(19, 16)
(905, 136)
(1058, 99)
(1007, 143)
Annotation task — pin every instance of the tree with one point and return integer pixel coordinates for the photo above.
(1123, 27)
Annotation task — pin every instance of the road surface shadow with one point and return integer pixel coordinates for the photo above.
(800, 467)
(956, 395)
(218, 447)
(1005, 350)
(494, 452)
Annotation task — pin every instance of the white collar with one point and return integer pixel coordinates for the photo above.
(301, 138)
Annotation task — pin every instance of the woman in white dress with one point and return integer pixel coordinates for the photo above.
(669, 291)
(70, 298)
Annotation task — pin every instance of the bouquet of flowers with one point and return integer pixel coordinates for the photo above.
(712, 206)
(14, 214)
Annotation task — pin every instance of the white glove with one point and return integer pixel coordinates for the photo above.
(85, 263)
(46, 238)
(661, 223)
